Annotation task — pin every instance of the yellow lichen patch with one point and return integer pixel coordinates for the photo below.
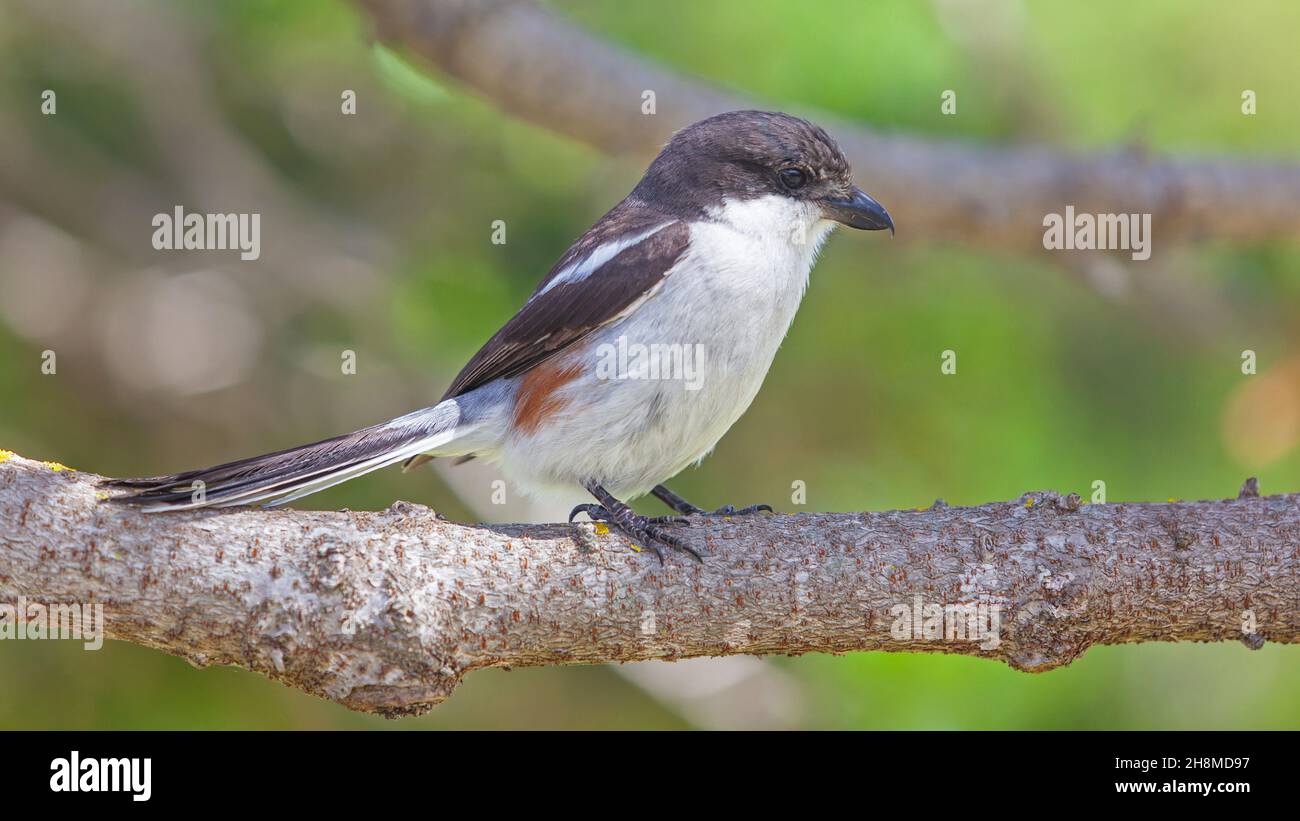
(1030, 503)
(6, 455)
(637, 548)
(101, 496)
(602, 529)
(57, 466)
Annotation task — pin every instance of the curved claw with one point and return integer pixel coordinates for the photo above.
(643, 530)
(650, 534)
(597, 513)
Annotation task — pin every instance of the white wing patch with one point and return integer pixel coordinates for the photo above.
(580, 270)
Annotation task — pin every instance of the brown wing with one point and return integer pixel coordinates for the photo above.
(623, 257)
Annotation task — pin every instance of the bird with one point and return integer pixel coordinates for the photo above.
(641, 347)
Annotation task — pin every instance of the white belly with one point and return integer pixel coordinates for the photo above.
(661, 386)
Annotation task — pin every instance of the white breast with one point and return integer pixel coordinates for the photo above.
(726, 306)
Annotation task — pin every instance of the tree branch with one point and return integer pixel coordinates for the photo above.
(536, 66)
(385, 612)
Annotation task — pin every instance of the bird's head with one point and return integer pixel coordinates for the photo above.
(745, 155)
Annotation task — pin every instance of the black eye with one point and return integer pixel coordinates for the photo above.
(793, 178)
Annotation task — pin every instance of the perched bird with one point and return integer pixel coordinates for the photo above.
(638, 351)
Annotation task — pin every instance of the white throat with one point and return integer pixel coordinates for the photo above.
(772, 216)
(775, 238)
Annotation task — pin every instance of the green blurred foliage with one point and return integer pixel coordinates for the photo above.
(1056, 387)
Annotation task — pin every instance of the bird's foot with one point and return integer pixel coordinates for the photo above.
(647, 531)
(732, 510)
(684, 507)
(689, 509)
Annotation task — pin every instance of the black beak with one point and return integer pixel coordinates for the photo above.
(858, 211)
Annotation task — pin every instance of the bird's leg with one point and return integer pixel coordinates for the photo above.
(676, 502)
(685, 508)
(644, 529)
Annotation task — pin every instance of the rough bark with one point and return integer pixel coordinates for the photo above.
(536, 66)
(385, 612)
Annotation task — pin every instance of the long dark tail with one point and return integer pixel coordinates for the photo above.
(276, 478)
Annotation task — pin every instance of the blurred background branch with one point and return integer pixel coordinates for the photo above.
(533, 64)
